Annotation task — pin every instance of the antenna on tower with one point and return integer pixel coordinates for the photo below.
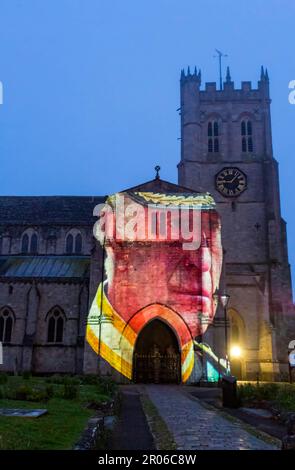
(220, 55)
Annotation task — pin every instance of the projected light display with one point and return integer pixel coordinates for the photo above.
(162, 263)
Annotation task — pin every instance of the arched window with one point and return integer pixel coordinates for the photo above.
(237, 328)
(213, 131)
(55, 328)
(236, 343)
(6, 325)
(215, 128)
(59, 329)
(69, 244)
(249, 128)
(78, 243)
(74, 242)
(235, 333)
(216, 145)
(34, 243)
(51, 330)
(210, 145)
(29, 242)
(210, 133)
(246, 133)
(25, 243)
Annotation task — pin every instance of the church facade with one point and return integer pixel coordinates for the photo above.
(51, 265)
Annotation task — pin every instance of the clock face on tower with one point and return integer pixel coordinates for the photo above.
(231, 182)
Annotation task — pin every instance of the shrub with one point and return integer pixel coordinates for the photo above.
(49, 391)
(70, 391)
(72, 380)
(55, 379)
(28, 393)
(27, 375)
(63, 379)
(90, 379)
(286, 397)
(246, 392)
(97, 403)
(22, 392)
(3, 378)
(267, 391)
(283, 396)
(106, 386)
(37, 395)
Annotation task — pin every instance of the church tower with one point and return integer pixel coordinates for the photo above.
(226, 149)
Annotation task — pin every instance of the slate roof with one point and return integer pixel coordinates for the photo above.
(161, 186)
(67, 210)
(49, 267)
(46, 210)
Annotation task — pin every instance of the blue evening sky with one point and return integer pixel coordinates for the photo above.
(91, 87)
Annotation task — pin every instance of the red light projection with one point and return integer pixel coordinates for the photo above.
(163, 261)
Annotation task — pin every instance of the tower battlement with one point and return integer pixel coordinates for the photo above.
(228, 91)
(188, 76)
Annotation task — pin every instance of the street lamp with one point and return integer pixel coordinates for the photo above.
(223, 299)
(235, 352)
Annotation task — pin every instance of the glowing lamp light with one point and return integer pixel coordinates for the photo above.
(224, 299)
(235, 351)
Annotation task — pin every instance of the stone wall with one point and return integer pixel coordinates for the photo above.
(30, 304)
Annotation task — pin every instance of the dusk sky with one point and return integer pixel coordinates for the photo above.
(91, 87)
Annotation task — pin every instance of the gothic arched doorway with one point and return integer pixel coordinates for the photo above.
(156, 357)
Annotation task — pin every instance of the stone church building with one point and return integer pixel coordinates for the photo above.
(50, 263)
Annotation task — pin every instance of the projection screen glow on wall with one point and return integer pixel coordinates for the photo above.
(163, 259)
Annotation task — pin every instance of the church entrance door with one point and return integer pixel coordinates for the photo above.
(157, 358)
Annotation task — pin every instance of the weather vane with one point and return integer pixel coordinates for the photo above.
(220, 55)
(157, 168)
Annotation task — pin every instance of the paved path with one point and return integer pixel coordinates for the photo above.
(195, 427)
(131, 431)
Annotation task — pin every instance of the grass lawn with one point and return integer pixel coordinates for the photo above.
(60, 428)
